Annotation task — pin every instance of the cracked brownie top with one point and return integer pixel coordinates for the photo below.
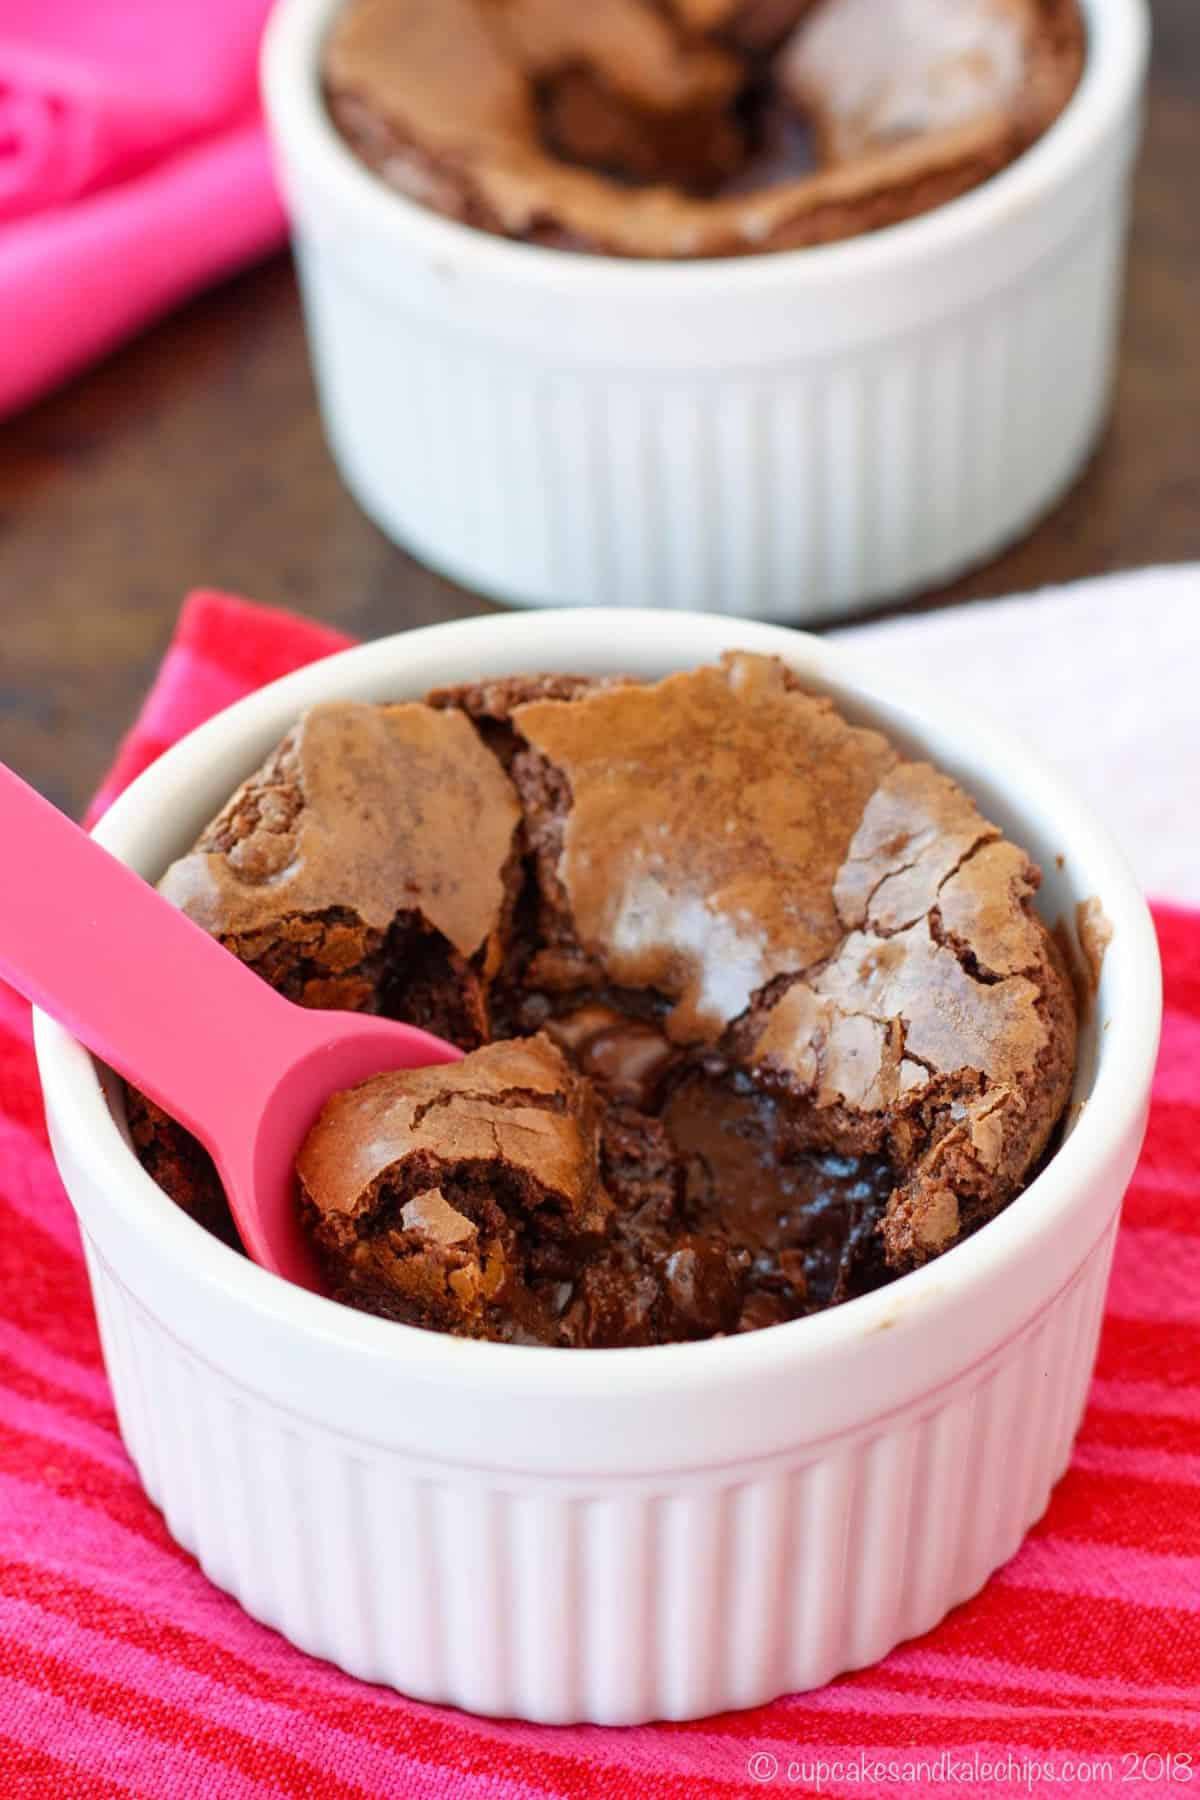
(684, 128)
(766, 1015)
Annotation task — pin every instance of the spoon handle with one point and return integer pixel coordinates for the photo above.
(147, 991)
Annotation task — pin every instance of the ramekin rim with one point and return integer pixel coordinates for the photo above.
(1118, 33)
(1118, 1094)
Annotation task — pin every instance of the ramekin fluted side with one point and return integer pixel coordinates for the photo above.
(801, 489)
(611, 1600)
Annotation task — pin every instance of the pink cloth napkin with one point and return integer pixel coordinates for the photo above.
(133, 170)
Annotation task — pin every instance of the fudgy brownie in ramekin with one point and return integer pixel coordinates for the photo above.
(758, 1011)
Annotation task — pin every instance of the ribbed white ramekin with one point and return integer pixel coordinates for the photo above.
(613, 1535)
(785, 436)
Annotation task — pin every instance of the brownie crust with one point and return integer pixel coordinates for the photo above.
(336, 871)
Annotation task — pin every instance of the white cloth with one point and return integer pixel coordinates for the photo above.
(1103, 677)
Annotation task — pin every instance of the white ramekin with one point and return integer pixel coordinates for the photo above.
(785, 436)
(613, 1535)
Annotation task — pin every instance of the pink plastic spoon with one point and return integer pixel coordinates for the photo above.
(176, 1014)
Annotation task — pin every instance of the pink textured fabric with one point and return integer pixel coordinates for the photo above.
(133, 168)
(123, 1672)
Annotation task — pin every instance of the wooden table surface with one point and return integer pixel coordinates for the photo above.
(193, 458)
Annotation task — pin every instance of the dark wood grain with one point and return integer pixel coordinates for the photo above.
(194, 457)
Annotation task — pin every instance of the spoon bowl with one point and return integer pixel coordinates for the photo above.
(177, 1015)
(327, 1051)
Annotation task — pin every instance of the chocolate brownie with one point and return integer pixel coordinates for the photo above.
(460, 1197)
(760, 1013)
(687, 836)
(337, 871)
(180, 1165)
(333, 875)
(682, 128)
(839, 926)
(500, 1197)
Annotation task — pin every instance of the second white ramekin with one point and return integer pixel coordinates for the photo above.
(613, 1535)
(784, 436)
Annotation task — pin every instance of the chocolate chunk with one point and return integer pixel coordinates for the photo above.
(624, 1056)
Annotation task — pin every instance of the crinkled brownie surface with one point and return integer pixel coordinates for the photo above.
(759, 1012)
(338, 869)
(683, 128)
